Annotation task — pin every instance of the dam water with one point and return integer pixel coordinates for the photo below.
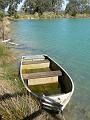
(67, 41)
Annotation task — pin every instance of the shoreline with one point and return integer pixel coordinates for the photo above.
(47, 16)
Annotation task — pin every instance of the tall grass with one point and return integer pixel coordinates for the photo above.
(6, 56)
(15, 104)
(17, 108)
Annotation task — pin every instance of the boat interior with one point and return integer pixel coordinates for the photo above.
(44, 76)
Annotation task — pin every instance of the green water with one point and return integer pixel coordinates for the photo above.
(68, 42)
(36, 70)
(46, 89)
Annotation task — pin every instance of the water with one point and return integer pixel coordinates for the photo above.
(68, 42)
(46, 89)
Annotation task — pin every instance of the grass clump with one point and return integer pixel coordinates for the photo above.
(15, 104)
(6, 56)
(17, 108)
(8, 71)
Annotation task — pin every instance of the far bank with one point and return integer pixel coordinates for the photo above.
(46, 15)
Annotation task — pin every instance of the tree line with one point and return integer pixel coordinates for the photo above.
(31, 6)
(12, 7)
(73, 7)
(78, 7)
(41, 6)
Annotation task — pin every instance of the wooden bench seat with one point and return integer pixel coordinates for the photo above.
(42, 77)
(42, 74)
(35, 64)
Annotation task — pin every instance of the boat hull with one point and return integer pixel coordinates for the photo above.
(52, 101)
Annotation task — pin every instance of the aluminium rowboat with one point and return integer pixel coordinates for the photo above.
(41, 70)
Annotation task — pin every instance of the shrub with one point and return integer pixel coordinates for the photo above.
(1, 15)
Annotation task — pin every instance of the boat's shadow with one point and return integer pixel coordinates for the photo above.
(33, 115)
(9, 95)
(39, 112)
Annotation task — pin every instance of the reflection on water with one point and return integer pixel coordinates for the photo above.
(68, 42)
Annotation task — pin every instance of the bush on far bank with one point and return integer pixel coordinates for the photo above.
(45, 15)
(1, 15)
